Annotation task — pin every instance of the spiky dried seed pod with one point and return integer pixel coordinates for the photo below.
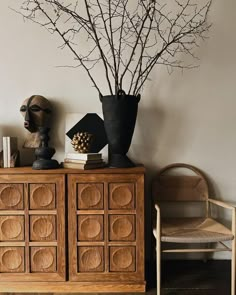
(81, 142)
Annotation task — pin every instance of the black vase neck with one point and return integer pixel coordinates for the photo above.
(120, 95)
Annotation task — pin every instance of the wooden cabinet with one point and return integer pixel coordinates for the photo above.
(101, 231)
(32, 221)
(106, 236)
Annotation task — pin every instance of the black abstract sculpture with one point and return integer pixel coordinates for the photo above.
(44, 153)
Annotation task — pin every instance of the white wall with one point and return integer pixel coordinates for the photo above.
(182, 118)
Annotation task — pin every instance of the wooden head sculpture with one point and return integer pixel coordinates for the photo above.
(36, 111)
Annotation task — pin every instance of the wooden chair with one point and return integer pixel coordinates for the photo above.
(203, 230)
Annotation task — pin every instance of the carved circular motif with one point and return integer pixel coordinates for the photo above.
(122, 258)
(90, 227)
(91, 196)
(10, 196)
(42, 196)
(122, 227)
(11, 259)
(91, 259)
(11, 228)
(122, 196)
(43, 227)
(43, 258)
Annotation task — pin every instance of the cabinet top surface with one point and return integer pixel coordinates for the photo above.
(29, 170)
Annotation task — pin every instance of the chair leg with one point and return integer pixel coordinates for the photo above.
(205, 257)
(158, 267)
(233, 267)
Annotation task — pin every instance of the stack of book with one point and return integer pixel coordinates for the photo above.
(83, 161)
(10, 153)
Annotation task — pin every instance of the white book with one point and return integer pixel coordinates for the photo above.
(8, 152)
(11, 149)
(86, 156)
(5, 152)
(67, 160)
(84, 166)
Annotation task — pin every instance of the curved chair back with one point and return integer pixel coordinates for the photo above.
(180, 187)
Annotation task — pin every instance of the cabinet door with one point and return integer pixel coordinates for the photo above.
(106, 232)
(32, 227)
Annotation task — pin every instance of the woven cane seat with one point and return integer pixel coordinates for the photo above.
(193, 230)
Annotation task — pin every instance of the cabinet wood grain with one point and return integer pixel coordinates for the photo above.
(106, 233)
(95, 218)
(27, 201)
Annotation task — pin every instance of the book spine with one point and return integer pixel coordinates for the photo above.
(4, 146)
(83, 157)
(73, 165)
(67, 160)
(1, 159)
(76, 157)
(8, 152)
(84, 166)
(97, 161)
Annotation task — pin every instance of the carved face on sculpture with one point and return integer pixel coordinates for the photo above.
(36, 111)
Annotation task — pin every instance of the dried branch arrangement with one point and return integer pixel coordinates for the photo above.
(126, 38)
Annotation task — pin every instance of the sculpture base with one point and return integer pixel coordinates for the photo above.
(120, 161)
(43, 164)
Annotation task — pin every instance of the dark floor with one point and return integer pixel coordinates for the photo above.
(185, 278)
(193, 278)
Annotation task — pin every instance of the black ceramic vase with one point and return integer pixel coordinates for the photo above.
(119, 112)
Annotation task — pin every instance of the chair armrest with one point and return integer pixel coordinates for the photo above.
(157, 208)
(227, 206)
(157, 230)
(222, 204)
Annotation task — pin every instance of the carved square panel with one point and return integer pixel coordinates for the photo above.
(90, 196)
(42, 196)
(90, 227)
(11, 196)
(90, 259)
(43, 227)
(121, 196)
(122, 259)
(43, 259)
(12, 259)
(121, 227)
(11, 228)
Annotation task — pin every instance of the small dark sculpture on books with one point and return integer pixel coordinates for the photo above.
(36, 111)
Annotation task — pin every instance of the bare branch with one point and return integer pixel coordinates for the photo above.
(128, 39)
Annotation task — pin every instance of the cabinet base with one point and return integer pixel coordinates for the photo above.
(71, 287)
